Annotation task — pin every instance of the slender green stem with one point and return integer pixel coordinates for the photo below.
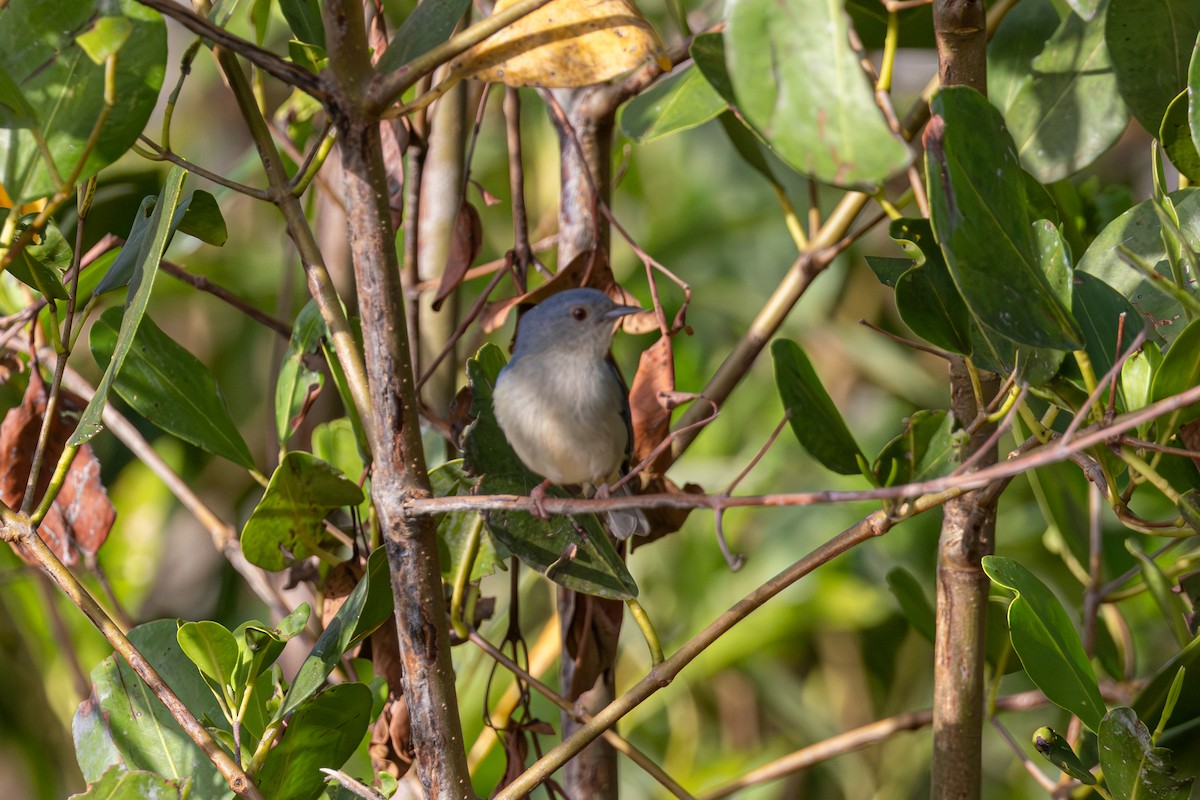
(643, 622)
(462, 576)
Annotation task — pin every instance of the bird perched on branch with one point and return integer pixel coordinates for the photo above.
(561, 402)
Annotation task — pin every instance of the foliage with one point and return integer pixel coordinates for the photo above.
(1044, 240)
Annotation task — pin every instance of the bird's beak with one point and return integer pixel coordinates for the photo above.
(622, 311)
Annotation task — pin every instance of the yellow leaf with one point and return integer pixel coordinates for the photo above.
(565, 43)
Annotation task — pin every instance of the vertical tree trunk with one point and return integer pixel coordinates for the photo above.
(590, 625)
(968, 525)
(398, 469)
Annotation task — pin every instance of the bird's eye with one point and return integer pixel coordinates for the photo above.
(579, 313)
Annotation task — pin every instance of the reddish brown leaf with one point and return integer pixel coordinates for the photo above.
(590, 269)
(648, 408)
(590, 632)
(1190, 435)
(391, 739)
(465, 245)
(82, 515)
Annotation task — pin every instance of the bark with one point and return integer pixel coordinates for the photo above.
(968, 525)
(398, 470)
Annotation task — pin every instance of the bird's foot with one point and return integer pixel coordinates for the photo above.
(538, 496)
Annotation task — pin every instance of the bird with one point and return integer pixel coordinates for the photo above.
(561, 402)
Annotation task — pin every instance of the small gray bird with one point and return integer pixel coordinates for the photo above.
(561, 402)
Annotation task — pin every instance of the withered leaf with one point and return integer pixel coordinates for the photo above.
(465, 245)
(82, 515)
(565, 43)
(648, 409)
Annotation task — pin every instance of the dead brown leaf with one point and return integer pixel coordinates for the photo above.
(465, 245)
(81, 516)
(649, 412)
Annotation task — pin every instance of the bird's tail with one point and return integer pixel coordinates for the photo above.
(627, 521)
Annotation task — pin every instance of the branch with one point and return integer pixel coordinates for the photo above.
(268, 62)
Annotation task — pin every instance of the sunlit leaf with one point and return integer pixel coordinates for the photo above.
(800, 84)
(564, 43)
(1150, 42)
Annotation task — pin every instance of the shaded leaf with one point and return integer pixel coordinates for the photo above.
(299, 381)
(429, 24)
(926, 297)
(814, 418)
(980, 211)
(200, 216)
(149, 254)
(914, 603)
(304, 19)
(1160, 587)
(457, 528)
(564, 43)
(1180, 370)
(1193, 93)
(927, 449)
(365, 609)
(574, 552)
(323, 732)
(41, 263)
(15, 111)
(682, 101)
(1047, 642)
(1150, 42)
(1098, 309)
(1057, 750)
(889, 270)
(65, 89)
(169, 386)
(287, 525)
(817, 109)
(1133, 766)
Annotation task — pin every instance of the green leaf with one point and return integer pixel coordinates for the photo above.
(1098, 309)
(682, 101)
(1188, 506)
(200, 216)
(1176, 137)
(574, 552)
(1133, 766)
(1140, 231)
(287, 525)
(259, 646)
(213, 649)
(926, 449)
(1160, 587)
(123, 784)
(323, 732)
(1150, 42)
(708, 53)
(122, 269)
(1047, 642)
(1193, 92)
(1066, 111)
(40, 265)
(143, 734)
(335, 442)
(1180, 371)
(926, 297)
(298, 382)
(1057, 750)
(914, 603)
(149, 254)
(1137, 375)
(367, 607)
(430, 24)
(15, 111)
(1152, 700)
(1021, 36)
(889, 270)
(801, 85)
(169, 386)
(814, 418)
(105, 38)
(304, 19)
(65, 89)
(456, 529)
(979, 205)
